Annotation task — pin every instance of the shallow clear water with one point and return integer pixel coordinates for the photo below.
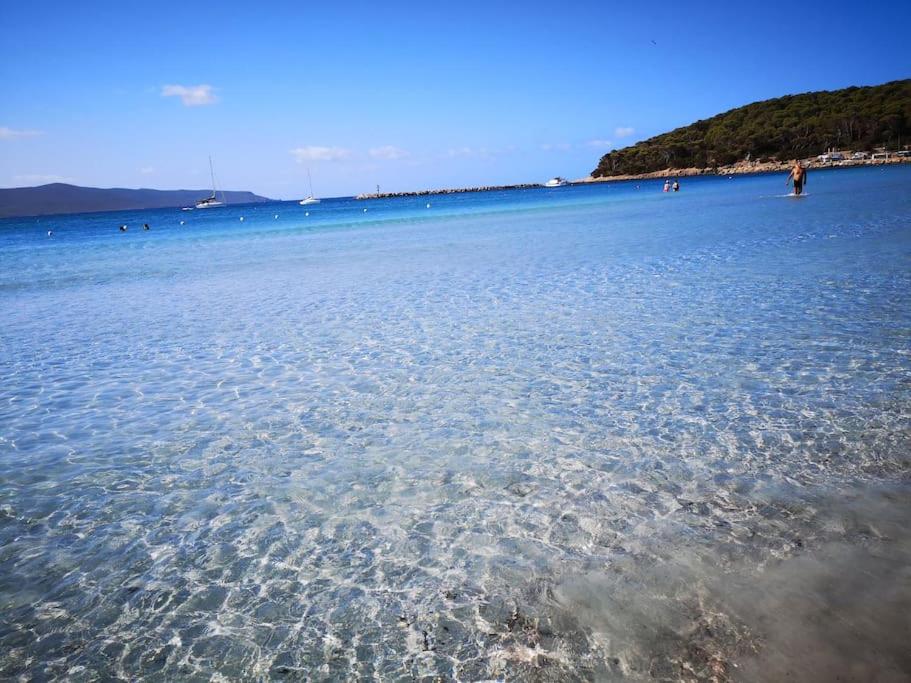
(583, 433)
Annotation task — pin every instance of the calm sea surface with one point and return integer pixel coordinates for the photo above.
(581, 433)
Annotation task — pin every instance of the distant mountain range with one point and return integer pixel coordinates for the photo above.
(63, 198)
(791, 127)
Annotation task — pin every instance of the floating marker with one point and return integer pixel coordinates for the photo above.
(241, 218)
(365, 210)
(306, 213)
(182, 222)
(275, 216)
(428, 205)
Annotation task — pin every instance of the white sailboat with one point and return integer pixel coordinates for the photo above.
(211, 201)
(310, 199)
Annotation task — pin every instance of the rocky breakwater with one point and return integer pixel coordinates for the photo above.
(457, 190)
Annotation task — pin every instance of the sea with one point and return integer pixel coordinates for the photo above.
(586, 433)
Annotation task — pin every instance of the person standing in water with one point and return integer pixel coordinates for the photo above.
(799, 174)
(676, 185)
(667, 186)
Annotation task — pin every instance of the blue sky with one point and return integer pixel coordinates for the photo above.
(407, 97)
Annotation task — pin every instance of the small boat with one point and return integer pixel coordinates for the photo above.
(556, 182)
(211, 201)
(310, 199)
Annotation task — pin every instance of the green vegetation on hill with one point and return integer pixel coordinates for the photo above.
(796, 126)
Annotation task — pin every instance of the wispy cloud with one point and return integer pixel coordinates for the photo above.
(389, 152)
(556, 147)
(318, 153)
(599, 143)
(624, 131)
(12, 134)
(191, 95)
(38, 178)
(477, 152)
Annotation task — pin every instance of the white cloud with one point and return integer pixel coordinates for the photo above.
(37, 178)
(318, 153)
(477, 152)
(600, 143)
(389, 152)
(147, 170)
(624, 131)
(191, 95)
(556, 147)
(11, 134)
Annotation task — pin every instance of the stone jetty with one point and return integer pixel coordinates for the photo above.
(456, 190)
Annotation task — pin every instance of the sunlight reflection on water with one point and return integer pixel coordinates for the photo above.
(615, 437)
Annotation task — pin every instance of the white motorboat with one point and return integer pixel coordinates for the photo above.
(556, 182)
(211, 201)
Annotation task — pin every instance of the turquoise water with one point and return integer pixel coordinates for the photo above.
(582, 433)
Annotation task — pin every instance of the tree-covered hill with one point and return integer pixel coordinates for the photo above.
(796, 126)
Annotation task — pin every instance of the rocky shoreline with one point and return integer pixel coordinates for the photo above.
(744, 168)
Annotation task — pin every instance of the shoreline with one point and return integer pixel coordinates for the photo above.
(741, 168)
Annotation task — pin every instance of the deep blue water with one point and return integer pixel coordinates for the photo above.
(582, 433)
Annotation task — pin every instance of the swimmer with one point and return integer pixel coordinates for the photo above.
(123, 228)
(145, 226)
(50, 233)
(799, 175)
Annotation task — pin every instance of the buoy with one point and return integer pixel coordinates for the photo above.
(241, 218)
(182, 222)
(50, 233)
(428, 205)
(275, 216)
(365, 210)
(306, 213)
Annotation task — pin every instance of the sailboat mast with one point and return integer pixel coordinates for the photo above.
(310, 180)
(212, 173)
